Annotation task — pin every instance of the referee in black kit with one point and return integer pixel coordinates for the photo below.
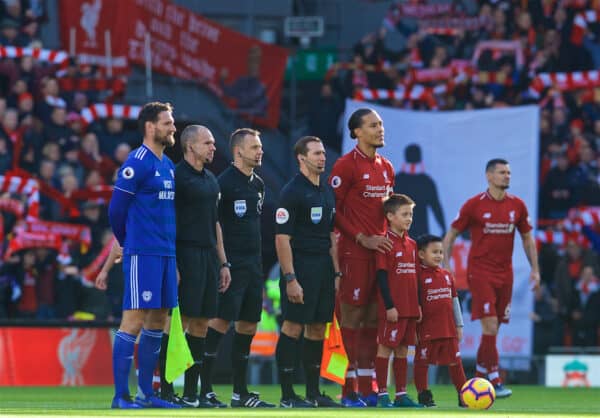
(307, 253)
(201, 259)
(240, 208)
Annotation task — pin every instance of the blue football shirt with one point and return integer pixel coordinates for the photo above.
(150, 226)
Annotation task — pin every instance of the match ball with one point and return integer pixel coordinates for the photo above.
(478, 393)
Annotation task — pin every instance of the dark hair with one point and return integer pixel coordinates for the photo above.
(301, 146)
(150, 112)
(424, 240)
(392, 203)
(356, 121)
(238, 136)
(491, 164)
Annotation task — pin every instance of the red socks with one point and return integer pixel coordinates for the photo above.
(457, 375)
(350, 338)
(420, 371)
(367, 341)
(487, 359)
(381, 371)
(400, 374)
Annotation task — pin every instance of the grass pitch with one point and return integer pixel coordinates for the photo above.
(527, 401)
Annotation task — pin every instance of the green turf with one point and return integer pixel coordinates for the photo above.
(527, 401)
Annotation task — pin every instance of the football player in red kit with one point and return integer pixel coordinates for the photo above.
(440, 329)
(399, 301)
(361, 179)
(492, 217)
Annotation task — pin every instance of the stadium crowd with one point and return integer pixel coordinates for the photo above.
(486, 54)
(464, 55)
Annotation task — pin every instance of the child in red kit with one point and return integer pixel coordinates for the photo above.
(440, 328)
(399, 307)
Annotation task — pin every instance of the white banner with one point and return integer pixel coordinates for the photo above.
(572, 371)
(440, 158)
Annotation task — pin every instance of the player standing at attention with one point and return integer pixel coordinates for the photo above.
(361, 179)
(242, 197)
(441, 326)
(307, 253)
(201, 259)
(492, 218)
(142, 217)
(399, 301)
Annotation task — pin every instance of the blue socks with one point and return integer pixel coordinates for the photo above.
(148, 351)
(122, 356)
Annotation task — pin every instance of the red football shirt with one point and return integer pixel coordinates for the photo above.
(360, 184)
(402, 275)
(492, 224)
(436, 290)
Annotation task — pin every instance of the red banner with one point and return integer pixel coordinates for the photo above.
(55, 357)
(86, 25)
(245, 72)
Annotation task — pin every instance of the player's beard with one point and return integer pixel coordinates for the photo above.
(167, 140)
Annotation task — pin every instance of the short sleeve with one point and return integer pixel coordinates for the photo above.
(132, 175)
(285, 215)
(463, 218)
(524, 223)
(381, 261)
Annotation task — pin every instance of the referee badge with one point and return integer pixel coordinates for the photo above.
(316, 214)
(239, 207)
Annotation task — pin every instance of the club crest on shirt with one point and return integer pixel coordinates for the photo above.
(399, 254)
(385, 176)
(239, 207)
(259, 203)
(316, 213)
(428, 280)
(511, 216)
(172, 173)
(447, 279)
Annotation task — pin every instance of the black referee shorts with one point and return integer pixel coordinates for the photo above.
(198, 289)
(315, 274)
(242, 301)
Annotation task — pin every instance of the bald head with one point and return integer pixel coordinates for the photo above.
(191, 134)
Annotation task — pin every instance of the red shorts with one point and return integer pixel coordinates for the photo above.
(490, 298)
(393, 334)
(441, 351)
(357, 286)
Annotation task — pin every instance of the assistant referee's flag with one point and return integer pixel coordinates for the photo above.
(334, 363)
(179, 358)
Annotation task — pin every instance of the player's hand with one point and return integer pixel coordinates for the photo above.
(100, 282)
(391, 315)
(294, 291)
(118, 251)
(225, 279)
(534, 279)
(459, 333)
(375, 242)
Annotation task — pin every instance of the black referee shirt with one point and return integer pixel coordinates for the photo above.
(306, 212)
(196, 202)
(240, 208)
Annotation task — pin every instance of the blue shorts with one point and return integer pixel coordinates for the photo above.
(150, 282)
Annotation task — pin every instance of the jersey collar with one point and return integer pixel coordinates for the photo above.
(363, 155)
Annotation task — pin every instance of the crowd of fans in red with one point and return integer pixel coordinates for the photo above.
(463, 55)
